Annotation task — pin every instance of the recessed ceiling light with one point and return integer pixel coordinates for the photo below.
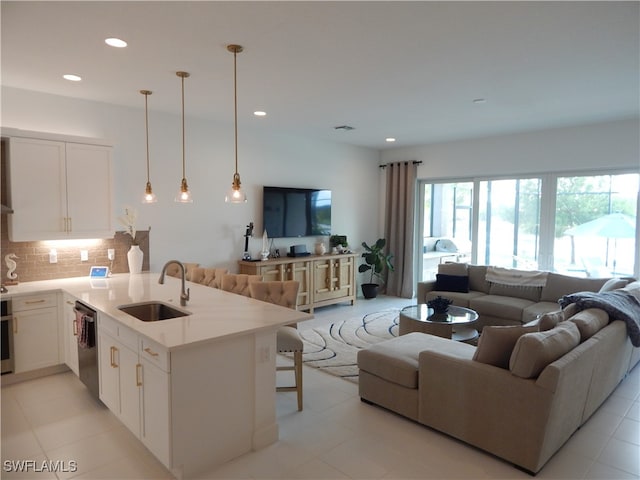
(115, 42)
(479, 100)
(260, 113)
(390, 139)
(71, 77)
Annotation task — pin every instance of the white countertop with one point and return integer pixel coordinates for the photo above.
(215, 314)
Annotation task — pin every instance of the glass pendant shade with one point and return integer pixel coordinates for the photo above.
(235, 193)
(149, 196)
(184, 194)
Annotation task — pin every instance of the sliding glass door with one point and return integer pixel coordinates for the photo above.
(579, 224)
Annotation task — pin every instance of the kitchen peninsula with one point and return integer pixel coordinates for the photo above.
(200, 389)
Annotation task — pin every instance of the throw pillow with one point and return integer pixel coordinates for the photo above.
(613, 284)
(550, 320)
(451, 283)
(496, 343)
(590, 321)
(453, 268)
(534, 351)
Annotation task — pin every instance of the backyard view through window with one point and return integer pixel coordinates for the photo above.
(582, 225)
(595, 228)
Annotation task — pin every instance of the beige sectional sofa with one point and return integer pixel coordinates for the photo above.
(519, 395)
(502, 304)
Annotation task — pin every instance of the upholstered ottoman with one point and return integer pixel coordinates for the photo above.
(389, 371)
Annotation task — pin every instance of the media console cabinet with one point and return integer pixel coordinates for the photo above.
(324, 279)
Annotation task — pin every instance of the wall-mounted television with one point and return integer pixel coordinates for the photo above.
(296, 212)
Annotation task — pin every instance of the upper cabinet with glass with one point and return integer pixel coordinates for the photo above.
(59, 189)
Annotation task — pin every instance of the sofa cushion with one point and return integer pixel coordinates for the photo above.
(460, 299)
(534, 351)
(550, 320)
(453, 268)
(518, 291)
(496, 343)
(452, 283)
(559, 285)
(477, 280)
(589, 322)
(538, 309)
(394, 360)
(499, 306)
(613, 284)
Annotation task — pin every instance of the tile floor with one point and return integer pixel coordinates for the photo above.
(335, 437)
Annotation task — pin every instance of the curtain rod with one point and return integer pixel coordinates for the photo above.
(415, 162)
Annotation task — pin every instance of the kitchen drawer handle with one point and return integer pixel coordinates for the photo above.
(32, 302)
(75, 328)
(150, 352)
(138, 375)
(113, 350)
(70, 303)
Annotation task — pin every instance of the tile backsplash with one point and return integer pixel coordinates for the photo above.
(33, 257)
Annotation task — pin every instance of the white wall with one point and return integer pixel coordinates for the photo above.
(599, 146)
(208, 231)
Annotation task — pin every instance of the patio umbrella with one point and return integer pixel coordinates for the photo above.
(613, 225)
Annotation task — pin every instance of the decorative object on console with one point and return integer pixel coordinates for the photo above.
(184, 194)
(235, 195)
(320, 248)
(377, 261)
(439, 305)
(248, 233)
(12, 276)
(149, 196)
(265, 246)
(338, 240)
(298, 251)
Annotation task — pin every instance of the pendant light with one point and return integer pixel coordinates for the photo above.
(235, 194)
(184, 194)
(149, 196)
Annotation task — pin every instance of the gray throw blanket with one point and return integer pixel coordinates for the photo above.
(619, 304)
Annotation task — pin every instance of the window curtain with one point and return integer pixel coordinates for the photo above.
(399, 226)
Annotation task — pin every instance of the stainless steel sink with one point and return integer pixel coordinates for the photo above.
(153, 311)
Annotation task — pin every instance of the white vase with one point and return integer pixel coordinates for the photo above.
(320, 248)
(134, 257)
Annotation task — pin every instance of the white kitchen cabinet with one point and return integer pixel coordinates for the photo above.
(120, 373)
(135, 384)
(35, 332)
(59, 190)
(70, 332)
(155, 430)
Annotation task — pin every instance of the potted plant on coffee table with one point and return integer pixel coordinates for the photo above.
(376, 261)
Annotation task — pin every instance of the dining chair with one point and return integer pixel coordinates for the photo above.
(238, 283)
(284, 293)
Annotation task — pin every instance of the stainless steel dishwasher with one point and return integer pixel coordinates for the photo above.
(87, 347)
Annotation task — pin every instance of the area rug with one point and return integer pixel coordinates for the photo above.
(334, 348)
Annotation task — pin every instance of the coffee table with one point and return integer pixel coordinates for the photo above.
(456, 324)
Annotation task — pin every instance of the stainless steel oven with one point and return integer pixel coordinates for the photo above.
(6, 337)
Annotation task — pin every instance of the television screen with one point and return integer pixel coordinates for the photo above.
(296, 212)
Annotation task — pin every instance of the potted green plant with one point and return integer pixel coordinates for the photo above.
(375, 260)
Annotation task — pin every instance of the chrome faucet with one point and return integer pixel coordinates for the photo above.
(184, 294)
